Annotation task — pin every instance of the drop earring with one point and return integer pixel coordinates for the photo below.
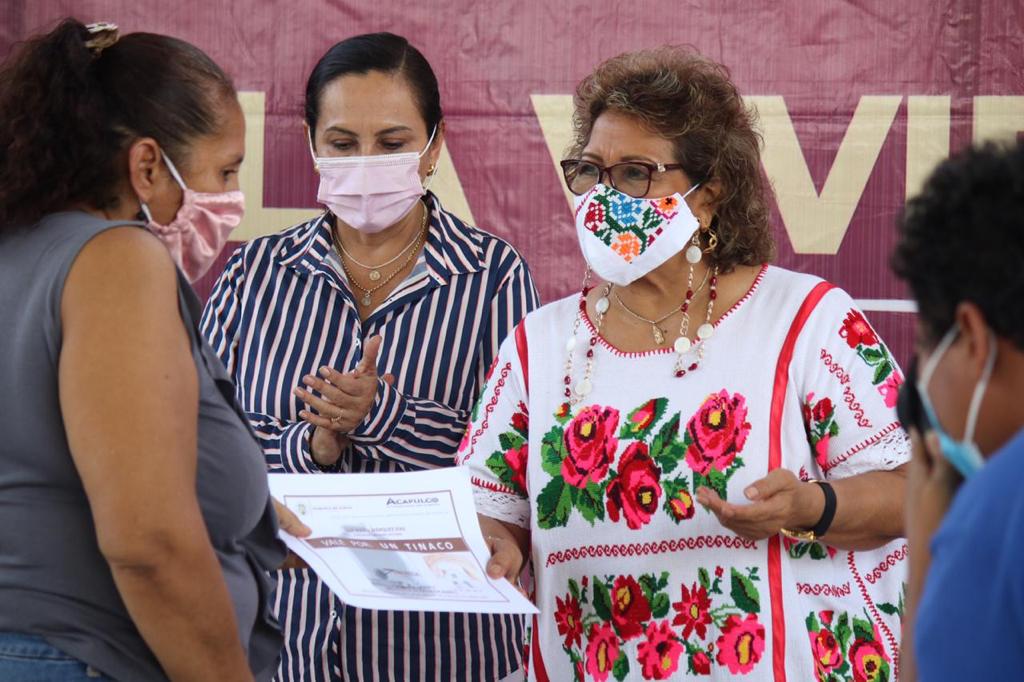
(693, 251)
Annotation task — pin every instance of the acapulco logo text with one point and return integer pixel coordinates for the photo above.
(411, 501)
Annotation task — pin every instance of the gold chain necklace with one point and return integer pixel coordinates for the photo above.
(367, 297)
(374, 270)
(658, 332)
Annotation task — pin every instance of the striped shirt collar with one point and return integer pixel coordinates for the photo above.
(452, 247)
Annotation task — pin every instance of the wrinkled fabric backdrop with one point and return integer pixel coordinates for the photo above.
(857, 99)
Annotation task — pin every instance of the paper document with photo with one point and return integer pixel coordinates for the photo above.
(397, 542)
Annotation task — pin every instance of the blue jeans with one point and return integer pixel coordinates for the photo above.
(28, 658)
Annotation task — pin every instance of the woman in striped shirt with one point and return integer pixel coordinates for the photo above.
(385, 278)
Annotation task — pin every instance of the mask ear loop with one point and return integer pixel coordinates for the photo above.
(433, 169)
(174, 174)
(979, 391)
(430, 141)
(936, 356)
(312, 154)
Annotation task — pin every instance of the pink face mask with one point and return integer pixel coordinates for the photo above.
(370, 193)
(200, 227)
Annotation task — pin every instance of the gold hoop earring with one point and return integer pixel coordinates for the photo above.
(712, 240)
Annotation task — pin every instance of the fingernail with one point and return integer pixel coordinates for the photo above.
(324, 372)
(751, 493)
(308, 381)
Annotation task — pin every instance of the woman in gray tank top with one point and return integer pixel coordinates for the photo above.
(135, 521)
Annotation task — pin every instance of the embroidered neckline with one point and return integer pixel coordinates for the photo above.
(601, 341)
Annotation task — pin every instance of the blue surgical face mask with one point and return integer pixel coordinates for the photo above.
(963, 454)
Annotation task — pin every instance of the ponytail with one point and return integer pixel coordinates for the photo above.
(68, 112)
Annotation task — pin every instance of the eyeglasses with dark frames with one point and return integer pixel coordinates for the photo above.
(630, 177)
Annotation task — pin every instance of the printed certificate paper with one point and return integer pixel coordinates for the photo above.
(398, 542)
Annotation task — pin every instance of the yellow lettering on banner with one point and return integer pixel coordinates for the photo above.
(554, 113)
(998, 117)
(817, 223)
(448, 188)
(261, 220)
(928, 125)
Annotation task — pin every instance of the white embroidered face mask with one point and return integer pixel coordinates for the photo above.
(371, 193)
(624, 238)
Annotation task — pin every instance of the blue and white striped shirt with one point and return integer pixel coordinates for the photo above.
(282, 309)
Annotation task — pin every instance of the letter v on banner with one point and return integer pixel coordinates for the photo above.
(816, 223)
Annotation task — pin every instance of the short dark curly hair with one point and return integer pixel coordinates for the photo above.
(690, 100)
(962, 239)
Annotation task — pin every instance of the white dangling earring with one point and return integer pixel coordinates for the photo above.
(693, 251)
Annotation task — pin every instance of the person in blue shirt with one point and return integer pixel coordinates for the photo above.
(961, 251)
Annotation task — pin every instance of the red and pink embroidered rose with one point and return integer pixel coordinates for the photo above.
(635, 490)
(821, 451)
(630, 608)
(823, 410)
(520, 422)
(590, 445)
(516, 459)
(602, 650)
(463, 446)
(826, 651)
(741, 643)
(717, 432)
(682, 506)
(867, 659)
(693, 611)
(701, 663)
(569, 620)
(642, 418)
(857, 331)
(594, 217)
(890, 389)
(659, 653)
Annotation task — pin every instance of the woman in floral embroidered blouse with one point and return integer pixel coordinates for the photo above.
(658, 472)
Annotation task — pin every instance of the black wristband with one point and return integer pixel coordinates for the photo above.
(828, 513)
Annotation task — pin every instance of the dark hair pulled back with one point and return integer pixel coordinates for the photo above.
(383, 52)
(68, 114)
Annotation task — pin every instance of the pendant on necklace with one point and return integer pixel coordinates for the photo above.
(366, 299)
(659, 334)
(374, 275)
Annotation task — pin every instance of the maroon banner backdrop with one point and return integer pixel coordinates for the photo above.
(858, 100)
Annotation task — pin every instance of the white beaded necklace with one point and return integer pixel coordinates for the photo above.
(683, 346)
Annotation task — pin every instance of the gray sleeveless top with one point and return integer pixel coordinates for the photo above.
(53, 580)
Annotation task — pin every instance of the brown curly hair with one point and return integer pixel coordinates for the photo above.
(690, 100)
(68, 114)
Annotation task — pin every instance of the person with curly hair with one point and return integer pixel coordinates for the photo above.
(961, 248)
(136, 525)
(699, 453)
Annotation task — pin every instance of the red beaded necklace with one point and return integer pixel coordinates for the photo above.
(682, 346)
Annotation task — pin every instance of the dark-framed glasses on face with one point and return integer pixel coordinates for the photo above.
(629, 177)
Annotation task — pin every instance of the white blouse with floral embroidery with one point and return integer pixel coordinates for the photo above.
(633, 580)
